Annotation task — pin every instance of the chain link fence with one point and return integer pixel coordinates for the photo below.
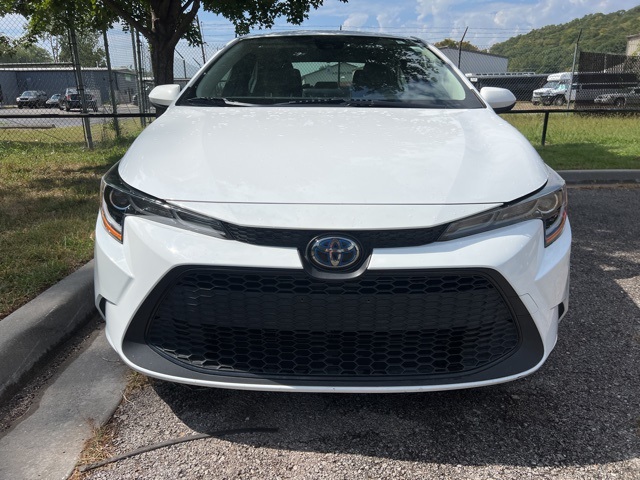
(599, 80)
(40, 84)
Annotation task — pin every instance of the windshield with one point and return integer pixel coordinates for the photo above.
(330, 70)
(553, 84)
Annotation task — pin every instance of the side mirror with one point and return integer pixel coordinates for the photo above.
(163, 95)
(500, 99)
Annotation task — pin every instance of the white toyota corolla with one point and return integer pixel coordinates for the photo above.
(332, 212)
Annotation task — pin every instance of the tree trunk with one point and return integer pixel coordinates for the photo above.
(162, 61)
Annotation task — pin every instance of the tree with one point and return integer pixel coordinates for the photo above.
(162, 22)
(550, 49)
(451, 43)
(19, 53)
(89, 50)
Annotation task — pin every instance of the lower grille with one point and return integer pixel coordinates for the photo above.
(285, 323)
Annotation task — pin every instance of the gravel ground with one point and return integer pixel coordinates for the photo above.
(577, 418)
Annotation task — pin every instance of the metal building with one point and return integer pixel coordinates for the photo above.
(477, 62)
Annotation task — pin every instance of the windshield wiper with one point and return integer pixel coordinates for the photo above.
(315, 101)
(215, 102)
(354, 102)
(364, 102)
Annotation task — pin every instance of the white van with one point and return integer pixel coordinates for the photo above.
(554, 91)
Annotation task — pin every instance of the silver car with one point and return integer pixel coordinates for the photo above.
(620, 99)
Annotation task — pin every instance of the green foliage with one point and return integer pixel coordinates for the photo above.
(56, 16)
(19, 53)
(89, 50)
(247, 14)
(550, 49)
(451, 43)
(162, 22)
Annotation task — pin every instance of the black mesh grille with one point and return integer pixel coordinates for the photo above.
(291, 324)
(274, 237)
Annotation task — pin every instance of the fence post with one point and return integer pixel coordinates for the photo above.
(544, 128)
(112, 92)
(136, 67)
(142, 101)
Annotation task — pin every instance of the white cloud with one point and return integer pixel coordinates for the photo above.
(12, 25)
(355, 20)
(491, 21)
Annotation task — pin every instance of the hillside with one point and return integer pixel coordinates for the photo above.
(550, 49)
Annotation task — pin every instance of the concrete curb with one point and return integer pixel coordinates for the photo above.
(37, 328)
(580, 177)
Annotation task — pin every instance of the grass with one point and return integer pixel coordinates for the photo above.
(48, 206)
(98, 448)
(49, 188)
(101, 132)
(583, 141)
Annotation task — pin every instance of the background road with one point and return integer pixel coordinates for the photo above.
(577, 418)
(60, 122)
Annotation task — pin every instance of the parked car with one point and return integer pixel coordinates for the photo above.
(31, 99)
(53, 101)
(70, 99)
(628, 97)
(397, 237)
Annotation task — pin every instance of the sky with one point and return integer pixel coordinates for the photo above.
(489, 21)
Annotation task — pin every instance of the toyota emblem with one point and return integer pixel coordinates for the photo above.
(333, 252)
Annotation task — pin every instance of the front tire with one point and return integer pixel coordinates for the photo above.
(559, 101)
(619, 102)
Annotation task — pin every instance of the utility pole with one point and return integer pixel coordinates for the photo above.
(204, 59)
(573, 69)
(460, 46)
(184, 64)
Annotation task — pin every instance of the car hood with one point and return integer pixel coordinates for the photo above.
(542, 91)
(332, 155)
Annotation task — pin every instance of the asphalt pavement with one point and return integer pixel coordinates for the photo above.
(579, 417)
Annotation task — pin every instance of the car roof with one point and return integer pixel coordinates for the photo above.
(330, 33)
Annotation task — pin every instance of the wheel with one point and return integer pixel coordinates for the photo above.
(559, 101)
(619, 102)
(67, 107)
(95, 108)
(19, 105)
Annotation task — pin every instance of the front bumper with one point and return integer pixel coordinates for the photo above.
(141, 288)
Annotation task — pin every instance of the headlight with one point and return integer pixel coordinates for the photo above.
(118, 201)
(548, 205)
